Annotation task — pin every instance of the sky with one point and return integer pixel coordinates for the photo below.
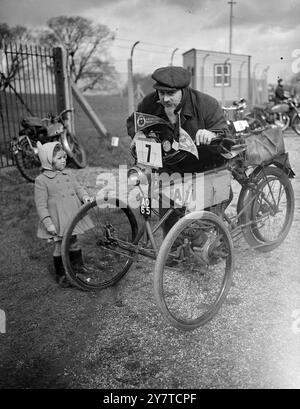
(268, 30)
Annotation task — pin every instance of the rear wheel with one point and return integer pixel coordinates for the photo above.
(296, 123)
(193, 270)
(27, 161)
(100, 231)
(270, 209)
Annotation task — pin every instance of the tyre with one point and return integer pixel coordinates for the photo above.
(193, 270)
(282, 121)
(99, 229)
(78, 152)
(296, 123)
(269, 209)
(27, 161)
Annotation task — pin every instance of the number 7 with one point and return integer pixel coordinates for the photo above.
(149, 152)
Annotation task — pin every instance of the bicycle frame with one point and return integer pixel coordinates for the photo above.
(146, 228)
(234, 225)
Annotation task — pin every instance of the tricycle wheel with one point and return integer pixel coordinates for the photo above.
(270, 209)
(193, 270)
(91, 251)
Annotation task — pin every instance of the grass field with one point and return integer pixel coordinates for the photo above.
(112, 110)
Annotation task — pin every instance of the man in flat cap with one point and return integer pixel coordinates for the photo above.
(198, 114)
(190, 114)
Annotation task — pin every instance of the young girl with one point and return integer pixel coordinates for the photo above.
(58, 196)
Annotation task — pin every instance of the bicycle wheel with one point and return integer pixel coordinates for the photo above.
(282, 121)
(270, 209)
(296, 123)
(79, 155)
(27, 161)
(100, 232)
(193, 270)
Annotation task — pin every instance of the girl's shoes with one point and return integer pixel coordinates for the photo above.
(77, 264)
(60, 274)
(63, 282)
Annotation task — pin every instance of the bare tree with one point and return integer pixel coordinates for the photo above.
(12, 62)
(86, 44)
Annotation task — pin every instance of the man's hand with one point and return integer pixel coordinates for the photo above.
(204, 137)
(137, 136)
(87, 199)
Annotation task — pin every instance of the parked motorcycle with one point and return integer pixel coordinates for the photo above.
(237, 120)
(53, 128)
(236, 110)
(283, 115)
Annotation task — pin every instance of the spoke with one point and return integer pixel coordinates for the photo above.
(271, 192)
(280, 194)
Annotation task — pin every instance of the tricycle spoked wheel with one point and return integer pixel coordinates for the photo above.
(27, 162)
(79, 155)
(270, 209)
(193, 270)
(98, 232)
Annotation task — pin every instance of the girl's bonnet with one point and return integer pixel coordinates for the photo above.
(45, 153)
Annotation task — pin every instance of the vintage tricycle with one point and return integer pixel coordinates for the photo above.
(193, 264)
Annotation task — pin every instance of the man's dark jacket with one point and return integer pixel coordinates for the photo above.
(199, 111)
(279, 94)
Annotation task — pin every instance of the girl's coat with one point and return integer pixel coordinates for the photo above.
(58, 195)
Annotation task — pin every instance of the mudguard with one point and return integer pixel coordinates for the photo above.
(281, 161)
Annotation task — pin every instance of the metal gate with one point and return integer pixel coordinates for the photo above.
(27, 88)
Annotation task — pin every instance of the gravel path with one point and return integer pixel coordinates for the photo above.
(117, 338)
(253, 342)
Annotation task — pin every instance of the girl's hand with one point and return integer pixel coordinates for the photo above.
(52, 230)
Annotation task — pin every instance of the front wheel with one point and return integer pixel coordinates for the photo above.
(95, 246)
(193, 270)
(296, 123)
(269, 209)
(27, 161)
(78, 157)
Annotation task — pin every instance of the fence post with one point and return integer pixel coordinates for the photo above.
(131, 105)
(88, 110)
(250, 95)
(62, 84)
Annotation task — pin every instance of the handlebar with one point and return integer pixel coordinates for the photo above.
(51, 118)
(65, 111)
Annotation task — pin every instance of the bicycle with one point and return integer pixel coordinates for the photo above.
(194, 263)
(50, 129)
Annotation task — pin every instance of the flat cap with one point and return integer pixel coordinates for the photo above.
(171, 78)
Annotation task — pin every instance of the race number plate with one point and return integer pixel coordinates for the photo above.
(149, 153)
(145, 207)
(240, 126)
